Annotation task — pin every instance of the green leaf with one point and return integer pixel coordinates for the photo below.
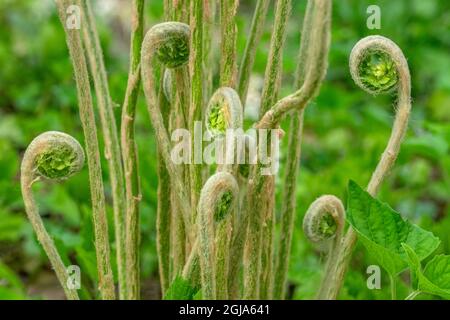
(181, 289)
(435, 278)
(438, 271)
(382, 231)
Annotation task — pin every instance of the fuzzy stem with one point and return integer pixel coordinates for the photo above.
(228, 29)
(105, 275)
(113, 155)
(129, 153)
(167, 33)
(320, 29)
(288, 207)
(168, 10)
(272, 77)
(163, 225)
(222, 259)
(292, 164)
(196, 98)
(49, 144)
(392, 149)
(166, 206)
(272, 81)
(180, 10)
(259, 193)
(208, 48)
(248, 59)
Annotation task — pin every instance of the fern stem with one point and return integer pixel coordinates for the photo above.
(228, 30)
(272, 81)
(248, 59)
(105, 275)
(130, 156)
(208, 49)
(292, 164)
(288, 207)
(272, 77)
(196, 98)
(110, 136)
(166, 207)
(320, 29)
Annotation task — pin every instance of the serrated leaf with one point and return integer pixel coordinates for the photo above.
(382, 230)
(435, 278)
(181, 289)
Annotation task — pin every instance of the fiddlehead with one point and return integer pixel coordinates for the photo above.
(217, 201)
(52, 156)
(324, 221)
(224, 111)
(380, 75)
(323, 225)
(371, 66)
(167, 43)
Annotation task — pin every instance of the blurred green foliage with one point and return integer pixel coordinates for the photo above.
(345, 133)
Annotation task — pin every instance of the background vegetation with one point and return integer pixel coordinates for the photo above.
(345, 133)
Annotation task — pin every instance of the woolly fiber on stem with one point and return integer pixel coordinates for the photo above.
(228, 32)
(316, 72)
(129, 153)
(113, 155)
(272, 81)
(292, 163)
(248, 59)
(196, 97)
(73, 39)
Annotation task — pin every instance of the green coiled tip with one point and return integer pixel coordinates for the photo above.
(56, 155)
(375, 63)
(223, 206)
(171, 43)
(324, 219)
(219, 195)
(378, 72)
(224, 111)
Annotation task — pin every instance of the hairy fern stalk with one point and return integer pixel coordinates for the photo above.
(216, 224)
